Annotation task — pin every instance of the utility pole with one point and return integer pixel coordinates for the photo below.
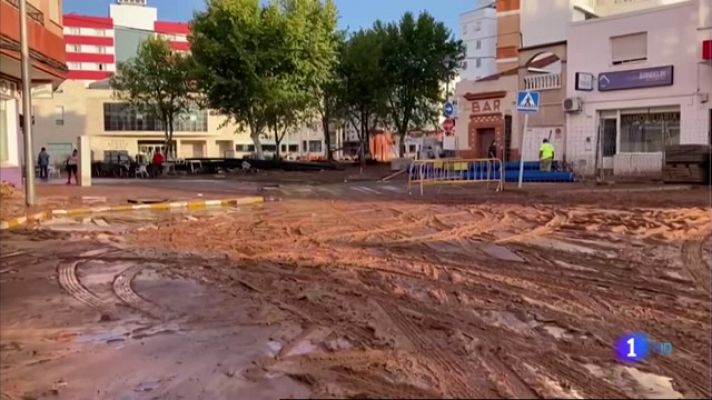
(27, 108)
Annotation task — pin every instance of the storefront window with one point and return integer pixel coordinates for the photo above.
(649, 132)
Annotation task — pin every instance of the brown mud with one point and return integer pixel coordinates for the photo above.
(419, 300)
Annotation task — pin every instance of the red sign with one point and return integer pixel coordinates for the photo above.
(707, 50)
(449, 125)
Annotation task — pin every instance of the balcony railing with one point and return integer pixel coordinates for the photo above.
(32, 11)
(542, 82)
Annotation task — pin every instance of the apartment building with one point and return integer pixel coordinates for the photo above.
(46, 42)
(478, 32)
(85, 104)
(638, 81)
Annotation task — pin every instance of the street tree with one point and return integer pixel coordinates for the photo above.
(417, 56)
(361, 89)
(263, 66)
(158, 82)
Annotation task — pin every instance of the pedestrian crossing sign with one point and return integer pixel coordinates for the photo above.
(528, 101)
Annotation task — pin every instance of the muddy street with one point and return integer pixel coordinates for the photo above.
(380, 298)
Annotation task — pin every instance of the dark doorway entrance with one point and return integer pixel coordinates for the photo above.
(485, 137)
(609, 137)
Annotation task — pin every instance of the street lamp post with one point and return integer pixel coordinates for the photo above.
(27, 108)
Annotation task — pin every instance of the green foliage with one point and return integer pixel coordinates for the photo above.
(157, 81)
(264, 66)
(361, 83)
(417, 56)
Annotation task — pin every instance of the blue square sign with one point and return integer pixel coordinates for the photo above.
(528, 101)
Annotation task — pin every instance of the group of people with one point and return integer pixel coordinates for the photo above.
(71, 165)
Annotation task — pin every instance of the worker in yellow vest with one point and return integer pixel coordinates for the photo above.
(546, 156)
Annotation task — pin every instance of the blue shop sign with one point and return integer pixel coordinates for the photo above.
(635, 78)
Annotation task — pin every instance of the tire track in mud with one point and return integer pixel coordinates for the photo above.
(694, 261)
(453, 374)
(122, 287)
(67, 276)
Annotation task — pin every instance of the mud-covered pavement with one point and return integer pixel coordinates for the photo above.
(335, 298)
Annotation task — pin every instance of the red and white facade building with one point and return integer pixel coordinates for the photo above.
(92, 42)
(89, 43)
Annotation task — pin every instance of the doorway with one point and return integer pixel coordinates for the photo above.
(485, 137)
(608, 141)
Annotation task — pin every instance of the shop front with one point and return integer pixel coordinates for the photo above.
(10, 169)
(487, 114)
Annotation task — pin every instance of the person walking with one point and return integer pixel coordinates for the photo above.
(43, 162)
(73, 167)
(492, 152)
(546, 156)
(158, 161)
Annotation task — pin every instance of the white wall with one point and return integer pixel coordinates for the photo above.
(544, 21)
(673, 39)
(486, 20)
(136, 17)
(611, 7)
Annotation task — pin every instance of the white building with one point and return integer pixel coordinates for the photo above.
(478, 32)
(644, 82)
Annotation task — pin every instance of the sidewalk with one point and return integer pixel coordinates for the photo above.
(55, 195)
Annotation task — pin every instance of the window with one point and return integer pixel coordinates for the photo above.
(315, 146)
(478, 25)
(58, 152)
(101, 67)
(411, 148)
(100, 49)
(74, 31)
(74, 66)
(649, 132)
(629, 48)
(123, 117)
(250, 147)
(464, 29)
(269, 147)
(54, 10)
(241, 147)
(305, 146)
(478, 62)
(4, 132)
(59, 115)
(283, 148)
(478, 45)
(99, 32)
(293, 148)
(74, 48)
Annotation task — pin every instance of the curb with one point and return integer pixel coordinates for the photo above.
(191, 205)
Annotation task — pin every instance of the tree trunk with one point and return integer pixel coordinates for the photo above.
(258, 145)
(170, 152)
(327, 134)
(401, 144)
(277, 141)
(327, 138)
(364, 142)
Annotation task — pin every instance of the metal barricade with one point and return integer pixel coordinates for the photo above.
(456, 171)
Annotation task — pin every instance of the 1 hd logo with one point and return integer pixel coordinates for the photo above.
(632, 347)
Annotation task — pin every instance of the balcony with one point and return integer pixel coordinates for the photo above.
(542, 82)
(32, 11)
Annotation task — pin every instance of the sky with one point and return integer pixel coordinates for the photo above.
(354, 14)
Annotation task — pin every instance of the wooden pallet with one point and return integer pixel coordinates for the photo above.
(675, 172)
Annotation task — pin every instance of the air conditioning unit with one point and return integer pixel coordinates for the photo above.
(572, 104)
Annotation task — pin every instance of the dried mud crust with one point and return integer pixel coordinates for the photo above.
(464, 300)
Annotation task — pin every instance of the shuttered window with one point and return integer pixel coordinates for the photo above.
(629, 48)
